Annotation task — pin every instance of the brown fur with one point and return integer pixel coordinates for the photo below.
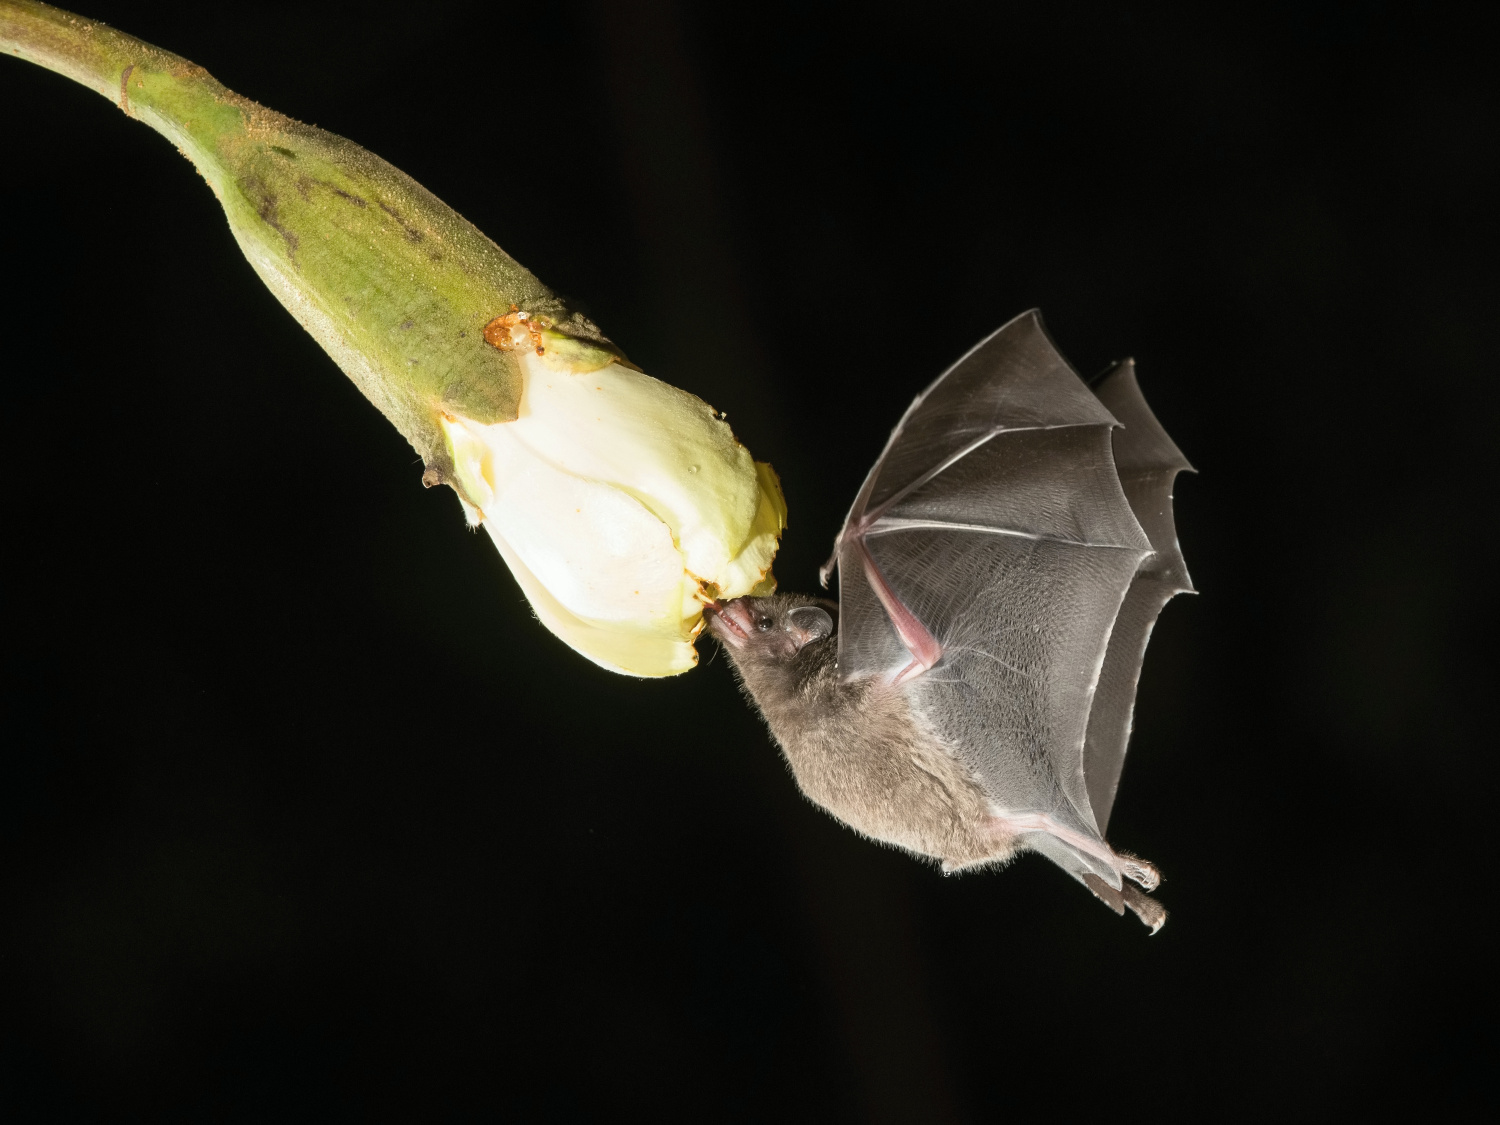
(856, 749)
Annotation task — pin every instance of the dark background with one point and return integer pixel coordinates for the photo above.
(306, 819)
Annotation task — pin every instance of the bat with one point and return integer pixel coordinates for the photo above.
(969, 696)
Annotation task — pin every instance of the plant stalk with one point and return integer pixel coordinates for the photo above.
(395, 285)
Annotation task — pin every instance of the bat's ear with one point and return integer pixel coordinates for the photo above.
(808, 623)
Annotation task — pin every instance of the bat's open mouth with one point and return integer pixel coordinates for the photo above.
(728, 621)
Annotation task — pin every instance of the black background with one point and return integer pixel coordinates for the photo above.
(306, 818)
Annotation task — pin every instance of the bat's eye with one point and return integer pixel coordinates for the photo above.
(763, 623)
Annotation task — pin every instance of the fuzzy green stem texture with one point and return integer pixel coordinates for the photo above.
(394, 284)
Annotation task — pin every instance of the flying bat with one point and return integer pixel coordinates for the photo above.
(969, 696)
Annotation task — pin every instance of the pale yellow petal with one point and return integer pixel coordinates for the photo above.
(617, 646)
(662, 445)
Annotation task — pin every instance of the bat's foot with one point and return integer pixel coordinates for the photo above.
(1125, 864)
(1137, 869)
(1142, 905)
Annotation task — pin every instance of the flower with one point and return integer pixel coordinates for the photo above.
(620, 503)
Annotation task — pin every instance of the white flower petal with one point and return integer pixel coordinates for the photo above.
(615, 499)
(598, 550)
(617, 646)
(661, 444)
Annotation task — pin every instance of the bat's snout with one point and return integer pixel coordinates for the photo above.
(729, 621)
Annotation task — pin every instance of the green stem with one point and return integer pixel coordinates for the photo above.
(394, 284)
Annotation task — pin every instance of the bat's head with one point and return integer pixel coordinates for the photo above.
(782, 630)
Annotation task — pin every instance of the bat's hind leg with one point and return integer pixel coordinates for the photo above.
(1137, 869)
(1144, 907)
(1126, 865)
(1139, 903)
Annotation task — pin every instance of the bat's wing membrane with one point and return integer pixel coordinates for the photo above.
(996, 517)
(1148, 463)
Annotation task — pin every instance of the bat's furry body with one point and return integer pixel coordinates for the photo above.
(894, 782)
(999, 575)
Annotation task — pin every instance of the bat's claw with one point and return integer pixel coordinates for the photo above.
(1140, 871)
(1144, 907)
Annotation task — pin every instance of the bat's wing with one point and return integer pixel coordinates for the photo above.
(1148, 463)
(982, 567)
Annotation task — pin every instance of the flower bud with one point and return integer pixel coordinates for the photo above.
(620, 504)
